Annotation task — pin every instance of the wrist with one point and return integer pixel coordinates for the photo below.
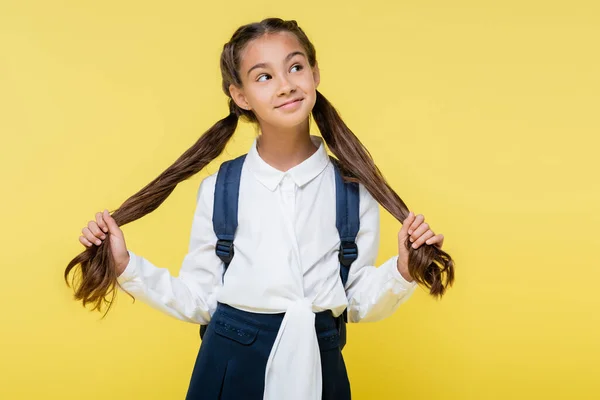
(403, 269)
(123, 266)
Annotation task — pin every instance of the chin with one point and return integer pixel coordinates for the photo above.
(292, 120)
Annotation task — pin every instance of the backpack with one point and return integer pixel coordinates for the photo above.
(225, 222)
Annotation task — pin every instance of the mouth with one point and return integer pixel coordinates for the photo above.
(289, 103)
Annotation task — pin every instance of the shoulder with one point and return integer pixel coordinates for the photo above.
(367, 203)
(206, 190)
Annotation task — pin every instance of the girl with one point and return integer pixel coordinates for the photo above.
(272, 331)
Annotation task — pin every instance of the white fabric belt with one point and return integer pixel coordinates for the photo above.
(294, 367)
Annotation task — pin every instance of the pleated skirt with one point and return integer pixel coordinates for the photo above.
(233, 356)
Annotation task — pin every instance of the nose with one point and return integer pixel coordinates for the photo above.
(286, 85)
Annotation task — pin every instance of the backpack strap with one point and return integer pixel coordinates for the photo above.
(347, 222)
(225, 216)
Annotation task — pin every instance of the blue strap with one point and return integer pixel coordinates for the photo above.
(347, 220)
(225, 211)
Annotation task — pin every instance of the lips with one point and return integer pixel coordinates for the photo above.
(288, 102)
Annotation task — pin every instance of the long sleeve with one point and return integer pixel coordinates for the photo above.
(191, 296)
(373, 293)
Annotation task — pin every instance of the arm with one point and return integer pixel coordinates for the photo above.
(191, 296)
(373, 293)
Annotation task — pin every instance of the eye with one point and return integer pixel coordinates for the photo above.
(295, 65)
(260, 76)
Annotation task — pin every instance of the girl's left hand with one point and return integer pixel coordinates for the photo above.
(419, 232)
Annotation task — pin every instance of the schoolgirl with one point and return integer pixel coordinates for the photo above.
(271, 315)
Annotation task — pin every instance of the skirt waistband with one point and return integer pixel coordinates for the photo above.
(324, 320)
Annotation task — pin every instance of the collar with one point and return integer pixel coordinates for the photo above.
(301, 174)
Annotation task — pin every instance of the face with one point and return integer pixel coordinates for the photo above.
(274, 70)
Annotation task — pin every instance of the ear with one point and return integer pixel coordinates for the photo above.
(239, 97)
(316, 74)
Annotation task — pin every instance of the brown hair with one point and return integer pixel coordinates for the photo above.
(429, 265)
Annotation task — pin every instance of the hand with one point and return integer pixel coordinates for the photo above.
(94, 233)
(420, 233)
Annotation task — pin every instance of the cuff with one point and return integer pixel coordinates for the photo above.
(393, 265)
(131, 270)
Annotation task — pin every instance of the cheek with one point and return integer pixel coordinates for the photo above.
(308, 87)
(310, 94)
(262, 100)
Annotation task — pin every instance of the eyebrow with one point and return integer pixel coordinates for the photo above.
(287, 58)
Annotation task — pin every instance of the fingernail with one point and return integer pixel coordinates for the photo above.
(103, 237)
(414, 246)
(98, 242)
(105, 230)
(411, 239)
(410, 231)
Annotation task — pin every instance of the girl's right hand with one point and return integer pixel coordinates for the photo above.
(94, 233)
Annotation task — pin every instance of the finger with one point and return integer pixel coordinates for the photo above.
(85, 242)
(406, 223)
(438, 240)
(101, 222)
(110, 222)
(424, 227)
(422, 239)
(417, 221)
(93, 226)
(90, 236)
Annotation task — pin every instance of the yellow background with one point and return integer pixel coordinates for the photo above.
(482, 115)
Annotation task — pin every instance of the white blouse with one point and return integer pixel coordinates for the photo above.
(285, 260)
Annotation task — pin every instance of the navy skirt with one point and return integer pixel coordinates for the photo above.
(233, 356)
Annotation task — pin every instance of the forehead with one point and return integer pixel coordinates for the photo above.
(271, 49)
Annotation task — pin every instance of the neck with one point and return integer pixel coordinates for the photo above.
(285, 148)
